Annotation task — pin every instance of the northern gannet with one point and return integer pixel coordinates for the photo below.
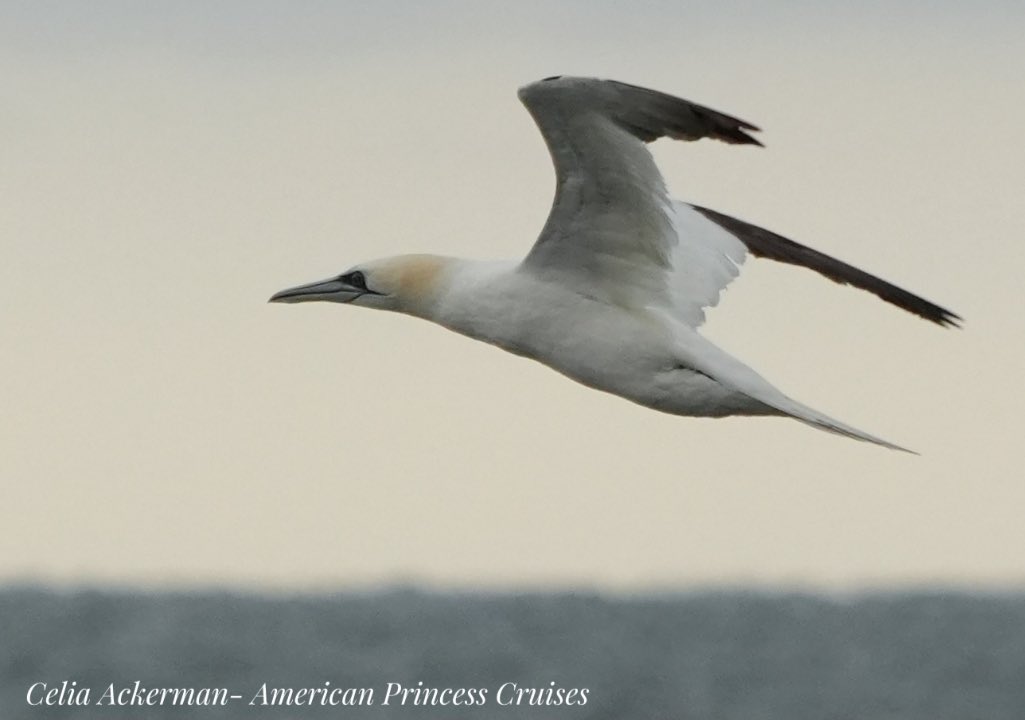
(615, 288)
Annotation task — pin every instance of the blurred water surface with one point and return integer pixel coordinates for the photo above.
(722, 655)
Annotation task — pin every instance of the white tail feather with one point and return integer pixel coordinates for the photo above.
(823, 422)
(703, 355)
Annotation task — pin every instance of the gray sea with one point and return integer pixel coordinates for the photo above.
(721, 655)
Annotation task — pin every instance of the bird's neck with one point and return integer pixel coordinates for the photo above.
(469, 296)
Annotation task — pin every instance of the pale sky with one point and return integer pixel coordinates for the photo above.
(167, 167)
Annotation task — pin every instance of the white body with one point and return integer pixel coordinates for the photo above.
(640, 354)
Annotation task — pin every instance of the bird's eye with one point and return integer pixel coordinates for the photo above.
(356, 279)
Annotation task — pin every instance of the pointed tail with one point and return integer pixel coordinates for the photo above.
(703, 355)
(823, 422)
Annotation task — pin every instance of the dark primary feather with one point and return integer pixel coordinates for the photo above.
(649, 115)
(763, 243)
(645, 114)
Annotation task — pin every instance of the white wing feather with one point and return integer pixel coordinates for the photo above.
(704, 260)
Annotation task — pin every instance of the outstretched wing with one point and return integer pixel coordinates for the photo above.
(614, 234)
(764, 243)
(610, 233)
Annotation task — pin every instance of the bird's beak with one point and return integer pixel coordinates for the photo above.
(333, 290)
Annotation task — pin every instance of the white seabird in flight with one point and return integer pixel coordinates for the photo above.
(614, 290)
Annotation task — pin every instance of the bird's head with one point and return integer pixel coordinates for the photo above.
(407, 283)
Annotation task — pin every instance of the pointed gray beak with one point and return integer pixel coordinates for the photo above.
(333, 290)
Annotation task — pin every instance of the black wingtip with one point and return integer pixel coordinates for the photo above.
(921, 307)
(733, 135)
(727, 128)
(950, 320)
(748, 140)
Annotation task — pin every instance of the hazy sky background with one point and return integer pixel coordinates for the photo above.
(168, 166)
